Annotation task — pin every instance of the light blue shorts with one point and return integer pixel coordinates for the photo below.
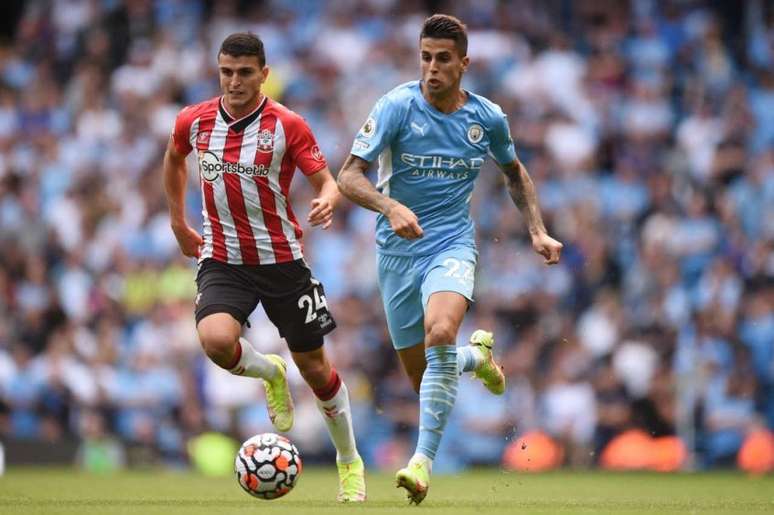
(406, 283)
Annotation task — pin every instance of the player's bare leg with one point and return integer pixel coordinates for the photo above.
(333, 402)
(219, 334)
(414, 363)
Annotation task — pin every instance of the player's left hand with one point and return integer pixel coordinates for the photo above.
(547, 247)
(321, 213)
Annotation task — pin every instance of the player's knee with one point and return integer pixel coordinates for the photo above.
(218, 342)
(441, 332)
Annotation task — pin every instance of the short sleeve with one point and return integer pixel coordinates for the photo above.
(501, 146)
(181, 136)
(303, 147)
(378, 130)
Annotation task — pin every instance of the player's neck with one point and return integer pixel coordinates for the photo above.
(237, 112)
(446, 103)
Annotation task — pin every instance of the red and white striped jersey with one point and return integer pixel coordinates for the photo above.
(245, 168)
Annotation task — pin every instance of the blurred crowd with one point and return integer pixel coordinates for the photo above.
(648, 128)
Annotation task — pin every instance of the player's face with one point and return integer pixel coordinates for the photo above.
(442, 65)
(241, 79)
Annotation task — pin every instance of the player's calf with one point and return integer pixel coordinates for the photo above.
(313, 367)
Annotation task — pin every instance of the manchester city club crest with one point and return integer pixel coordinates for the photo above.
(265, 141)
(475, 133)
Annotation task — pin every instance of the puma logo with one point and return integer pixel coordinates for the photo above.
(435, 414)
(419, 129)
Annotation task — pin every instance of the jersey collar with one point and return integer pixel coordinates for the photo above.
(240, 124)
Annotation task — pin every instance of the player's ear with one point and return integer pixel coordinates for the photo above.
(264, 73)
(465, 63)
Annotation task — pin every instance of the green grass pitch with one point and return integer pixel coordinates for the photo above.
(488, 492)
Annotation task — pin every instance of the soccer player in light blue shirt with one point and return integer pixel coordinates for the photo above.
(431, 138)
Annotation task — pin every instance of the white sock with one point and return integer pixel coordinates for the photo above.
(418, 456)
(338, 417)
(252, 363)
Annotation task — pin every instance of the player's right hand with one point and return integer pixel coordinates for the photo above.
(188, 240)
(404, 222)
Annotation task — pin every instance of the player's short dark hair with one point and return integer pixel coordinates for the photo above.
(444, 26)
(244, 43)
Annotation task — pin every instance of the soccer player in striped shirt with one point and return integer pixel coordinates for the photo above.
(248, 148)
(431, 138)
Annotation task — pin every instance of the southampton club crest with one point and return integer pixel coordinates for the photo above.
(475, 133)
(265, 141)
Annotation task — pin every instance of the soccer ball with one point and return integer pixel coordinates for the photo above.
(267, 466)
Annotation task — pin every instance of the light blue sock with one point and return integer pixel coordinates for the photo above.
(468, 358)
(436, 396)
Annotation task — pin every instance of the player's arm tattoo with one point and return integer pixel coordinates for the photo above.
(524, 195)
(354, 185)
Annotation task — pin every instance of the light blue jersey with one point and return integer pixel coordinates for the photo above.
(428, 161)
